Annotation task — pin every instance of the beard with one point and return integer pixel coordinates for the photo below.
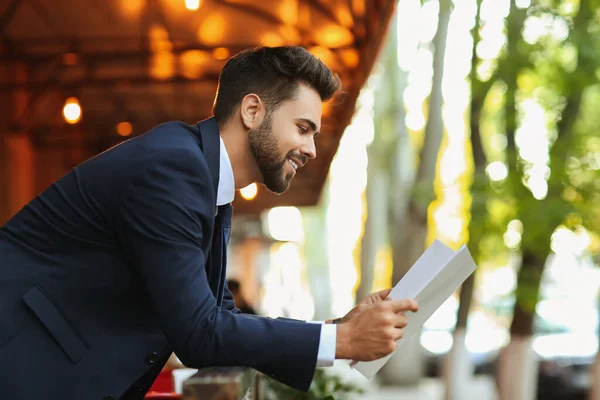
(265, 149)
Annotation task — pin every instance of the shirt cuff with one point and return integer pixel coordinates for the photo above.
(326, 353)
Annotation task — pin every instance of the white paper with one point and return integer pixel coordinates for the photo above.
(430, 281)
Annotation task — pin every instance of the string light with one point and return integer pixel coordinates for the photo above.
(192, 5)
(124, 129)
(72, 110)
(249, 192)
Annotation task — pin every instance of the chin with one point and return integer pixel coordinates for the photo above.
(281, 186)
(279, 189)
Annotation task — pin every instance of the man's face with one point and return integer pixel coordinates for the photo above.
(285, 140)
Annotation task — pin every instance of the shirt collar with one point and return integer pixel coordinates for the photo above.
(226, 188)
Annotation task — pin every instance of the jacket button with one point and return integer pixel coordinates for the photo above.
(153, 357)
(109, 397)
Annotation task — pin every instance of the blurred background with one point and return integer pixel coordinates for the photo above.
(471, 121)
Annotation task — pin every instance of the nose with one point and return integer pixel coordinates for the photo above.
(309, 149)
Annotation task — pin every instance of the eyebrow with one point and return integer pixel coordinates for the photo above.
(311, 124)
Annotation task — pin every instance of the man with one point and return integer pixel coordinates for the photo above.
(122, 261)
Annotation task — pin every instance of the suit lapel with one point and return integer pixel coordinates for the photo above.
(211, 147)
(217, 260)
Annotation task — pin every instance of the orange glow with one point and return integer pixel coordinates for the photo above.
(72, 110)
(303, 15)
(70, 59)
(350, 57)
(324, 54)
(132, 8)
(358, 6)
(124, 129)
(213, 29)
(249, 192)
(334, 36)
(162, 65)
(290, 34)
(288, 11)
(21, 159)
(193, 5)
(271, 39)
(162, 62)
(192, 63)
(344, 16)
(221, 53)
(159, 39)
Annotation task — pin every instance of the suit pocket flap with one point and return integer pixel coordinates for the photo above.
(56, 324)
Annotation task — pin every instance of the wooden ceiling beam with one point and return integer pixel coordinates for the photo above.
(105, 83)
(9, 14)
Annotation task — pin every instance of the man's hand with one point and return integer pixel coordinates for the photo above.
(371, 329)
(376, 297)
(370, 299)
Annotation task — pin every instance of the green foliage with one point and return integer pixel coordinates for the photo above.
(558, 69)
(325, 386)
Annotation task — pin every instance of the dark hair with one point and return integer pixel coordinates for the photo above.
(273, 73)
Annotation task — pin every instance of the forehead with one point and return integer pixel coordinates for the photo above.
(306, 104)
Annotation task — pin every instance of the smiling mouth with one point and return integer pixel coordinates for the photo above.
(293, 164)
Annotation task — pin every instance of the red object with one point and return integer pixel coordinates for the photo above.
(164, 382)
(161, 396)
(163, 387)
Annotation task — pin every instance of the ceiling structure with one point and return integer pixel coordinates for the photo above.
(146, 62)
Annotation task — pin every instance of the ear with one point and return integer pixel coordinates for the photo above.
(252, 111)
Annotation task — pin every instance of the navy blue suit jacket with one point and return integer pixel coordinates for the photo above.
(122, 261)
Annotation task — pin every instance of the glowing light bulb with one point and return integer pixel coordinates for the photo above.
(249, 192)
(124, 129)
(72, 110)
(192, 5)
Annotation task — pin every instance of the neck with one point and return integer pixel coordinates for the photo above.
(235, 138)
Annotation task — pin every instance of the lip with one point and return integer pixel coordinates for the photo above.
(299, 163)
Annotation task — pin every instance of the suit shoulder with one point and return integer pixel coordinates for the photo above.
(174, 138)
(173, 134)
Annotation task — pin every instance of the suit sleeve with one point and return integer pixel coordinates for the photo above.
(166, 214)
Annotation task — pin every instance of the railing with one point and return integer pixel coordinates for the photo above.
(223, 383)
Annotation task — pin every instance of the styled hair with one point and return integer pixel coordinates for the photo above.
(272, 73)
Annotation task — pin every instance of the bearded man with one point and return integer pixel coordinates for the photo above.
(123, 260)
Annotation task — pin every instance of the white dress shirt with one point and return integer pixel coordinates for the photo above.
(225, 195)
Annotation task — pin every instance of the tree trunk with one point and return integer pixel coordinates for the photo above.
(458, 368)
(374, 228)
(517, 370)
(317, 260)
(518, 366)
(410, 243)
(540, 219)
(410, 229)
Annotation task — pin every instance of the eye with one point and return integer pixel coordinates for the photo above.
(302, 129)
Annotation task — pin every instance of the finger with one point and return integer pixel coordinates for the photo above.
(403, 305)
(383, 294)
(400, 321)
(398, 334)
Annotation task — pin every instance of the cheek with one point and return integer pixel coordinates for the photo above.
(286, 142)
